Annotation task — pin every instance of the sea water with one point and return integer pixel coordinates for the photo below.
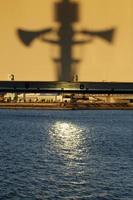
(67, 155)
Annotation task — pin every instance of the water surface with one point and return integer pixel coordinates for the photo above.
(67, 155)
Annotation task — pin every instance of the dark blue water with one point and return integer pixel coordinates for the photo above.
(69, 155)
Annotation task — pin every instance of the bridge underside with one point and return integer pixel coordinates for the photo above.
(66, 87)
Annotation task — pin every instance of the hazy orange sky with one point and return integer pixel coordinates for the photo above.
(100, 60)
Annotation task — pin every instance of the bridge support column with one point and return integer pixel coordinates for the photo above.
(24, 97)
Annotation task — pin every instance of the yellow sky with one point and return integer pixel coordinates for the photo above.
(100, 60)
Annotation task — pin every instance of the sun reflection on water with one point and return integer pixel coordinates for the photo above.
(68, 139)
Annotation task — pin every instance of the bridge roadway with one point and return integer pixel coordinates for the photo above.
(66, 87)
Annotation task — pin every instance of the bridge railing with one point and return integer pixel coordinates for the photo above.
(66, 87)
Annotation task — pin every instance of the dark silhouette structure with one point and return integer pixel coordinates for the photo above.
(66, 87)
(66, 14)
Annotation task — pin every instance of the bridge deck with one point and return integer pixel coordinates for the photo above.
(67, 87)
